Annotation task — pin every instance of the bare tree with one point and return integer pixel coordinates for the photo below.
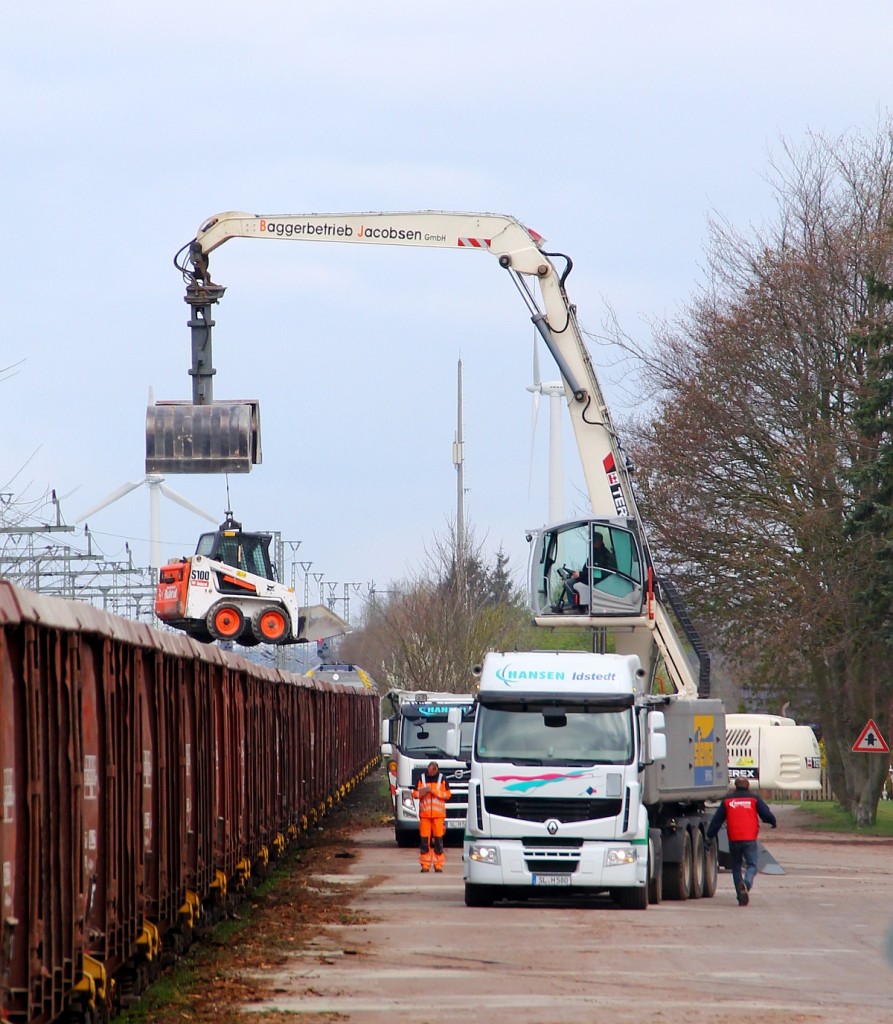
(429, 632)
(746, 465)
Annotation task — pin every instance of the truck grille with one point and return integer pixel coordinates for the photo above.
(551, 867)
(527, 808)
(451, 776)
(548, 859)
(457, 780)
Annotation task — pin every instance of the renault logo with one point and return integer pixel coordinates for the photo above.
(552, 826)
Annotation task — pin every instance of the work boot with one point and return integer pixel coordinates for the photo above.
(743, 897)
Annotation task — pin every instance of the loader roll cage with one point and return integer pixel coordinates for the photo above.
(249, 552)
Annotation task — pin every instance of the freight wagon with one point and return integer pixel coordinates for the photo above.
(145, 779)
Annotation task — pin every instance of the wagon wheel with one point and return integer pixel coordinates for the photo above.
(225, 622)
(270, 625)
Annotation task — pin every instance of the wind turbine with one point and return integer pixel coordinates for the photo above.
(157, 487)
(554, 391)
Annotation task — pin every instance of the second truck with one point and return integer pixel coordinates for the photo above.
(416, 733)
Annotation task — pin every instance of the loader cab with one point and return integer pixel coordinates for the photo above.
(229, 544)
(606, 552)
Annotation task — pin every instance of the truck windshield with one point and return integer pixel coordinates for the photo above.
(426, 737)
(538, 734)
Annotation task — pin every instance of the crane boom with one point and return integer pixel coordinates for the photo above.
(519, 250)
(648, 627)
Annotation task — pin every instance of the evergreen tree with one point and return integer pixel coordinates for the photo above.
(871, 517)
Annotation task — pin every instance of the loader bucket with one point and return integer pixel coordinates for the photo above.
(319, 623)
(223, 437)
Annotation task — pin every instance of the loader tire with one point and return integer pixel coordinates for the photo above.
(225, 621)
(271, 625)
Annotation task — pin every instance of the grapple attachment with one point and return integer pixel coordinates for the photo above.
(220, 437)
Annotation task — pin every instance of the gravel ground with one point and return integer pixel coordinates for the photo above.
(352, 932)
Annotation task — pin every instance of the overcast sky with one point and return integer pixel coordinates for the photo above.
(615, 130)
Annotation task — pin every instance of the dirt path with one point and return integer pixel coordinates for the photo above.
(365, 938)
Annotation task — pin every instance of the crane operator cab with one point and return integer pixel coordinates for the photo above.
(249, 552)
(588, 567)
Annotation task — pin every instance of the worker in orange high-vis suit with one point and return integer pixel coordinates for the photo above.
(432, 793)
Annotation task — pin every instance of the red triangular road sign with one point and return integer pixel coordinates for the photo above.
(870, 741)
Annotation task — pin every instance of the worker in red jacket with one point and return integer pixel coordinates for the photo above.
(432, 793)
(742, 813)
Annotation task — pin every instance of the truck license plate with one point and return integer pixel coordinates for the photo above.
(455, 823)
(551, 879)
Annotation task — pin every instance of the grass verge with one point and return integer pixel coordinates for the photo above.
(829, 816)
(220, 975)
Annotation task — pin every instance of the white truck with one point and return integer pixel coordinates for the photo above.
(415, 734)
(584, 782)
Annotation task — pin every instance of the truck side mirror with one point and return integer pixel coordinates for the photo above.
(387, 745)
(454, 724)
(657, 741)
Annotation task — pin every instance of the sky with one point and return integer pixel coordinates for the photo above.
(615, 130)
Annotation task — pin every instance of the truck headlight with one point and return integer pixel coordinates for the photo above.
(407, 800)
(483, 854)
(619, 855)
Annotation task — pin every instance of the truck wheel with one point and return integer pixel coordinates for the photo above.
(711, 869)
(225, 621)
(655, 867)
(677, 877)
(698, 866)
(270, 625)
(631, 899)
(406, 839)
(478, 895)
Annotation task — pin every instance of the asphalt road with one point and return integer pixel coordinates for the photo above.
(815, 944)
